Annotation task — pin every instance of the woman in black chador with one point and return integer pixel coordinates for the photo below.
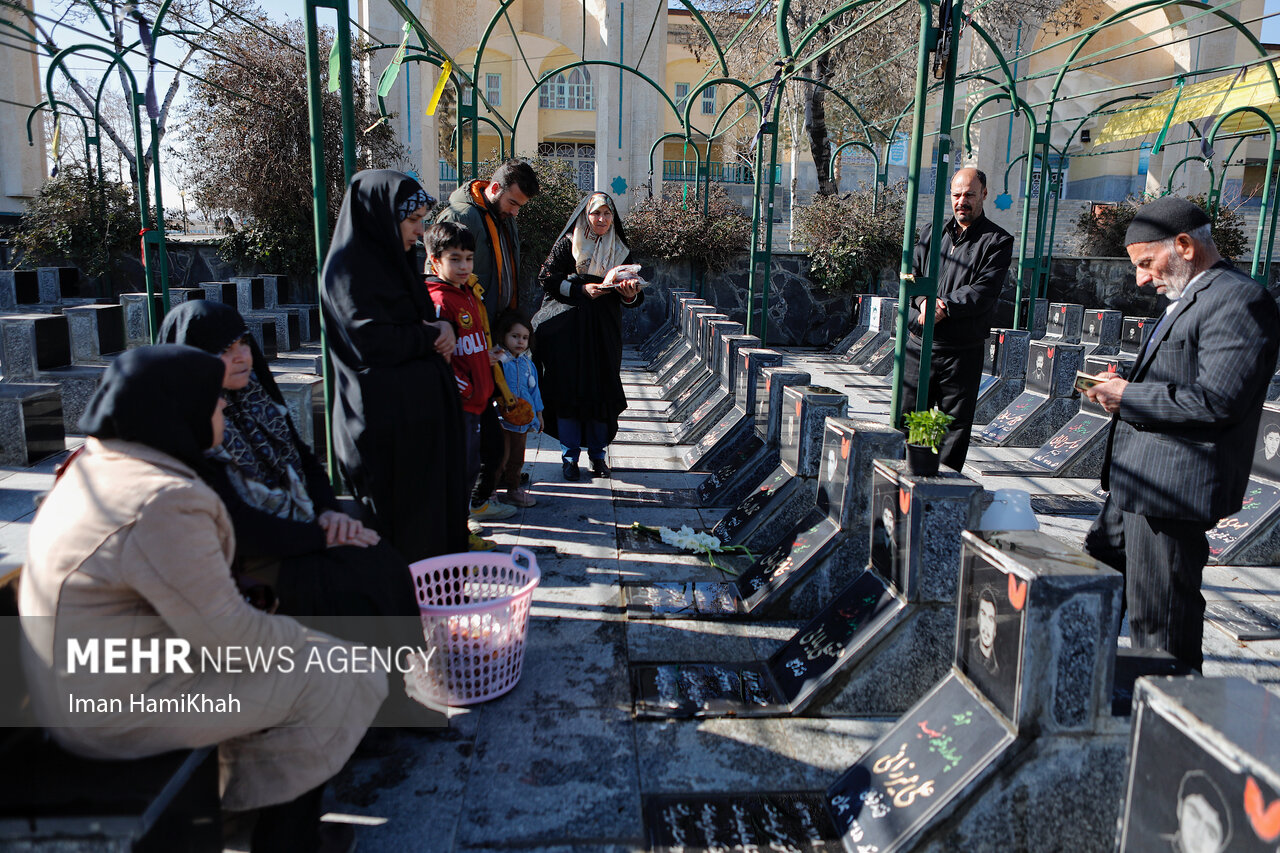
(579, 332)
(397, 426)
(290, 530)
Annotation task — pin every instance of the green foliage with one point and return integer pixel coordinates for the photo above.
(849, 243)
(74, 221)
(249, 149)
(927, 429)
(542, 219)
(1102, 236)
(672, 228)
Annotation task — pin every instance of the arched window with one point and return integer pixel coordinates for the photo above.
(572, 92)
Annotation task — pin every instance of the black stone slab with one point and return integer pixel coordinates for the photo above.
(690, 600)
(731, 427)
(792, 676)
(1049, 504)
(251, 294)
(32, 428)
(708, 413)
(800, 549)
(880, 361)
(736, 524)
(630, 539)
(1004, 372)
(722, 476)
(1205, 768)
(1064, 323)
(657, 497)
(751, 823)
(854, 620)
(919, 770)
(805, 409)
(1101, 332)
(19, 287)
(907, 528)
(1250, 536)
(685, 690)
(881, 322)
(1244, 621)
(1049, 401)
(1134, 332)
(58, 283)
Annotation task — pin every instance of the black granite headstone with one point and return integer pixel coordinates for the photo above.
(1259, 513)
(1205, 768)
(1133, 334)
(1064, 324)
(945, 743)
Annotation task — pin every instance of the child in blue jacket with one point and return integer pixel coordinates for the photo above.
(513, 335)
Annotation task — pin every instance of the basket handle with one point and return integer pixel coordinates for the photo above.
(519, 552)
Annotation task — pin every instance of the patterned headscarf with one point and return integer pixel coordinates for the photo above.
(418, 199)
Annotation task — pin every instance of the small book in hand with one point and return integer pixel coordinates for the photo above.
(1084, 381)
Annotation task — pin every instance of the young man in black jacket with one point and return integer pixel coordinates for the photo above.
(974, 260)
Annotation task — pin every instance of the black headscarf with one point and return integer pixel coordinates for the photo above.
(212, 327)
(161, 396)
(368, 270)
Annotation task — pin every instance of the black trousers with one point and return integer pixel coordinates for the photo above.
(954, 377)
(1162, 560)
(492, 448)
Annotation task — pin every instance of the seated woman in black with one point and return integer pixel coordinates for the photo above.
(290, 531)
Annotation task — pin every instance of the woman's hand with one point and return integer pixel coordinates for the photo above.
(595, 290)
(446, 341)
(628, 289)
(341, 529)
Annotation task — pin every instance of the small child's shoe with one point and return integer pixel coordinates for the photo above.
(520, 497)
(479, 543)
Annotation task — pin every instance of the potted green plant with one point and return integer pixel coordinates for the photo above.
(925, 431)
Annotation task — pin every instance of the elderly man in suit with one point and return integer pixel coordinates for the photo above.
(1185, 421)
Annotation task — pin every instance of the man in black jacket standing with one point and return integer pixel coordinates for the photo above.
(1185, 421)
(974, 260)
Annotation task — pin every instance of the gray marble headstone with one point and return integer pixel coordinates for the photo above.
(30, 422)
(18, 287)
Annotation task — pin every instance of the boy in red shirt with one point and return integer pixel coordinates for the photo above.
(450, 257)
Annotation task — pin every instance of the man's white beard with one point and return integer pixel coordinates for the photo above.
(1177, 275)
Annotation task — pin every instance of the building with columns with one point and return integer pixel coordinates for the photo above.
(605, 120)
(22, 166)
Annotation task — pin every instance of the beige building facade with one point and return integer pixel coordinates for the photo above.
(22, 166)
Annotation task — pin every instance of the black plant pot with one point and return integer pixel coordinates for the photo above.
(922, 461)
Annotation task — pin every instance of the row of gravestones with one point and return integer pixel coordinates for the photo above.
(1012, 732)
(1027, 399)
(55, 347)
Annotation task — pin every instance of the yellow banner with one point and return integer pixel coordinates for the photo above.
(445, 71)
(57, 137)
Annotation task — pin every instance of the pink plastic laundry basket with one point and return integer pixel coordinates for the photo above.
(475, 614)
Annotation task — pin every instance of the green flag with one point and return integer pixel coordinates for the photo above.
(333, 66)
(392, 71)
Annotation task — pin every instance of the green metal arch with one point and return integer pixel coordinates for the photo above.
(1268, 203)
(1141, 6)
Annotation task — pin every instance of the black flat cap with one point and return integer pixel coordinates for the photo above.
(1164, 218)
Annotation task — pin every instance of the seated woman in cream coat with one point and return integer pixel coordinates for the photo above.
(131, 544)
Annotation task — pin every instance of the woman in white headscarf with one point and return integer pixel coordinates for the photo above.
(586, 284)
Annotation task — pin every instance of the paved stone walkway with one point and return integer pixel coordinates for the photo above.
(559, 763)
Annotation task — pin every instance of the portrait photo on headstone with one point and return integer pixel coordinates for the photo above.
(991, 619)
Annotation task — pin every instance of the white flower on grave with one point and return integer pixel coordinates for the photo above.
(688, 539)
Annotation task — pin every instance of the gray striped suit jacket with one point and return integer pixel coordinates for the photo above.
(1183, 439)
